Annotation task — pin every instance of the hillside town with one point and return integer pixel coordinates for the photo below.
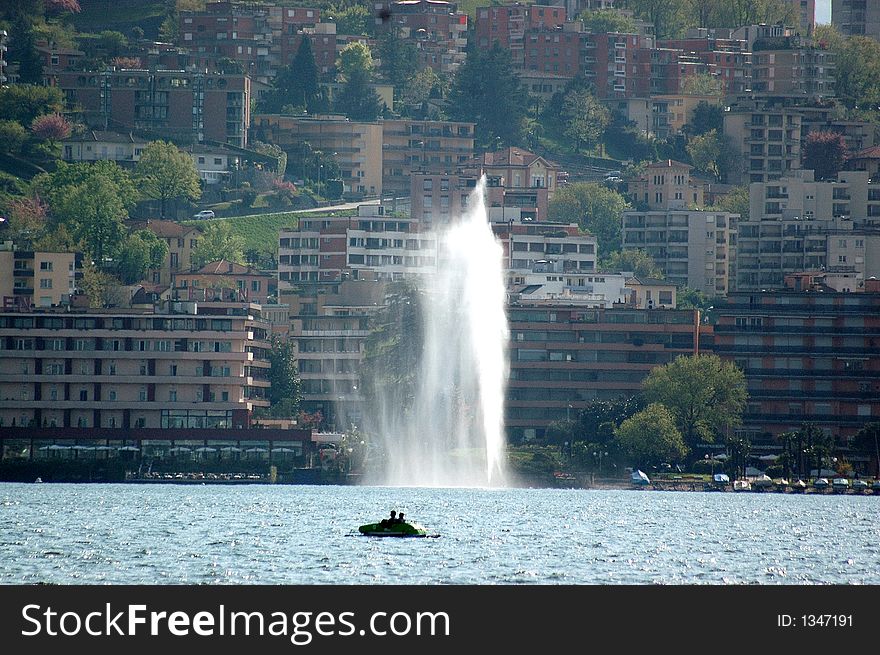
(214, 217)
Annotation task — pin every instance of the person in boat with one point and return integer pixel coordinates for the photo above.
(400, 518)
(387, 523)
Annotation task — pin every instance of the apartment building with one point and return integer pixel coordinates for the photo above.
(258, 37)
(556, 248)
(329, 325)
(224, 280)
(670, 113)
(856, 17)
(694, 249)
(517, 178)
(37, 279)
(181, 240)
(436, 28)
(765, 136)
(179, 104)
(356, 146)
(564, 356)
(729, 60)
(797, 224)
(809, 356)
(511, 26)
(423, 146)
(188, 365)
(55, 58)
(4, 38)
(666, 184)
(375, 244)
(792, 66)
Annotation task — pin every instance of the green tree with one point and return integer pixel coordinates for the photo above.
(707, 117)
(112, 42)
(49, 186)
(702, 84)
(736, 202)
(22, 103)
(94, 213)
(23, 51)
(350, 18)
(218, 242)
(12, 137)
(487, 91)
(400, 59)
(600, 418)
(825, 153)
(651, 437)
(867, 442)
(139, 253)
(664, 15)
(420, 88)
(355, 57)
(607, 20)
(705, 394)
(595, 208)
(100, 288)
(285, 394)
(585, 118)
(857, 72)
(164, 172)
(297, 85)
(357, 99)
(708, 153)
(638, 261)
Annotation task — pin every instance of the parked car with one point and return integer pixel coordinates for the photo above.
(204, 214)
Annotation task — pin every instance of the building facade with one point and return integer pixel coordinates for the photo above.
(37, 279)
(809, 356)
(189, 366)
(856, 17)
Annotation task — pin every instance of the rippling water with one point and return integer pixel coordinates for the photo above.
(264, 534)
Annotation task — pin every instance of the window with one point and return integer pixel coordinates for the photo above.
(46, 283)
(45, 266)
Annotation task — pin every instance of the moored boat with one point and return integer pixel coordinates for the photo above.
(859, 486)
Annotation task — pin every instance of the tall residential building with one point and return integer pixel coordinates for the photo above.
(37, 279)
(258, 37)
(809, 356)
(806, 15)
(374, 244)
(193, 365)
(424, 146)
(765, 137)
(564, 356)
(555, 248)
(693, 248)
(437, 30)
(791, 65)
(192, 106)
(356, 146)
(856, 17)
(729, 60)
(329, 325)
(4, 37)
(513, 25)
(797, 224)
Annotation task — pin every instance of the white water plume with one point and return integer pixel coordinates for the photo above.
(454, 435)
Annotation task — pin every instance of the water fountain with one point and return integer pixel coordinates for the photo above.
(454, 433)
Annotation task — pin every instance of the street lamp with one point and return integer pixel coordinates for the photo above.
(712, 465)
(600, 454)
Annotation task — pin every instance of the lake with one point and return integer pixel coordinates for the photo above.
(299, 534)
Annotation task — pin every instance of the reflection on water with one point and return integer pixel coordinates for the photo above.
(256, 534)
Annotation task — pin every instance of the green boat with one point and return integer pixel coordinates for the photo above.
(395, 530)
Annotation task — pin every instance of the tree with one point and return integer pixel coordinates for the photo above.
(639, 262)
(12, 137)
(165, 173)
(420, 88)
(357, 99)
(488, 92)
(285, 394)
(51, 127)
(218, 242)
(607, 20)
(297, 84)
(651, 437)
(50, 187)
(355, 57)
(94, 213)
(664, 15)
(736, 202)
(600, 418)
(26, 220)
(400, 59)
(857, 72)
(585, 118)
(706, 395)
(100, 288)
(867, 442)
(350, 18)
(709, 153)
(825, 153)
(23, 51)
(702, 84)
(112, 42)
(594, 208)
(22, 103)
(707, 117)
(139, 253)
